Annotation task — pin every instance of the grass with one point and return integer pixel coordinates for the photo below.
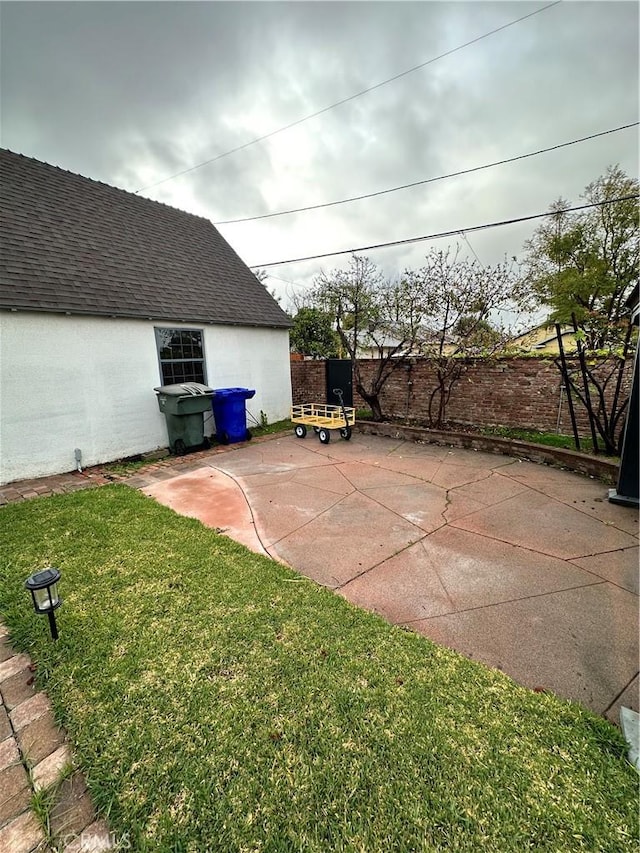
(219, 702)
(269, 429)
(126, 467)
(551, 439)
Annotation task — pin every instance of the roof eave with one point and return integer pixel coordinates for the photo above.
(155, 318)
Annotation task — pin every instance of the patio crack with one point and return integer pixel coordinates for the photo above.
(249, 507)
(311, 520)
(500, 603)
(615, 699)
(527, 548)
(484, 505)
(601, 577)
(384, 560)
(579, 509)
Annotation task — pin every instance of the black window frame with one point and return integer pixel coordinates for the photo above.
(184, 365)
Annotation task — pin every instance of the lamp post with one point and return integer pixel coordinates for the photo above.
(43, 586)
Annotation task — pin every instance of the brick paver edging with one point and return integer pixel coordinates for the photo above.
(35, 757)
(101, 475)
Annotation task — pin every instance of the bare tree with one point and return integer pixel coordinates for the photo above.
(371, 312)
(459, 301)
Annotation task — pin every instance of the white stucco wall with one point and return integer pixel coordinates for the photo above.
(87, 382)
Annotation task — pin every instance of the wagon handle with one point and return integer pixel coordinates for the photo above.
(339, 395)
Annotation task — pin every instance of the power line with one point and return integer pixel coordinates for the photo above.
(347, 99)
(451, 233)
(430, 180)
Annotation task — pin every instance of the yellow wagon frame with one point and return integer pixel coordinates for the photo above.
(323, 417)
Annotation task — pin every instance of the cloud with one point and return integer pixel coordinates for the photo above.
(131, 93)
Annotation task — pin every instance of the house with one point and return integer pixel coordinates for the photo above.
(105, 295)
(542, 339)
(385, 348)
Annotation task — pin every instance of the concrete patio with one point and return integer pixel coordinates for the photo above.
(522, 566)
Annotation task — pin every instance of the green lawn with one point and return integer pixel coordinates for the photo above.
(218, 702)
(551, 439)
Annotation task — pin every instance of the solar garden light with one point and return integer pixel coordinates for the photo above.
(43, 586)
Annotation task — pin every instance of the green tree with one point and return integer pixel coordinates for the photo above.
(313, 334)
(584, 265)
(480, 335)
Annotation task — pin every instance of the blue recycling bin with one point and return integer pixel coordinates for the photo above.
(230, 414)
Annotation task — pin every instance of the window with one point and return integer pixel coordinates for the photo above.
(181, 355)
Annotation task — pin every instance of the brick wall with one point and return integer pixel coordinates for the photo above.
(308, 382)
(514, 392)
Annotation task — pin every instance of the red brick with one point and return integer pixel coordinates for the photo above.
(73, 810)
(10, 667)
(93, 838)
(5, 725)
(22, 835)
(8, 753)
(29, 710)
(18, 687)
(515, 392)
(40, 738)
(15, 792)
(49, 770)
(6, 649)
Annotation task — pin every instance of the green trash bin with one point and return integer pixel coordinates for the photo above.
(183, 406)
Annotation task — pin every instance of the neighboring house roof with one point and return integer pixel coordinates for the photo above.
(74, 245)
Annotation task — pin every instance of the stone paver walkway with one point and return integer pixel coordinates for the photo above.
(102, 475)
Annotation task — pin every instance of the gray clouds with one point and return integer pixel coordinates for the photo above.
(129, 93)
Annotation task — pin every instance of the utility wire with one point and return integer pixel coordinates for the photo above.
(430, 180)
(441, 234)
(347, 99)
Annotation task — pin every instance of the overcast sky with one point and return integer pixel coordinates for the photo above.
(131, 93)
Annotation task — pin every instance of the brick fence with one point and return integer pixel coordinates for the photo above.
(513, 392)
(308, 382)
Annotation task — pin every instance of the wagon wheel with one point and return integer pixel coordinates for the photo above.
(300, 430)
(324, 435)
(345, 432)
(179, 448)
(316, 429)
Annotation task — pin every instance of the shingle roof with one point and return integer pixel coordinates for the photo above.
(70, 244)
